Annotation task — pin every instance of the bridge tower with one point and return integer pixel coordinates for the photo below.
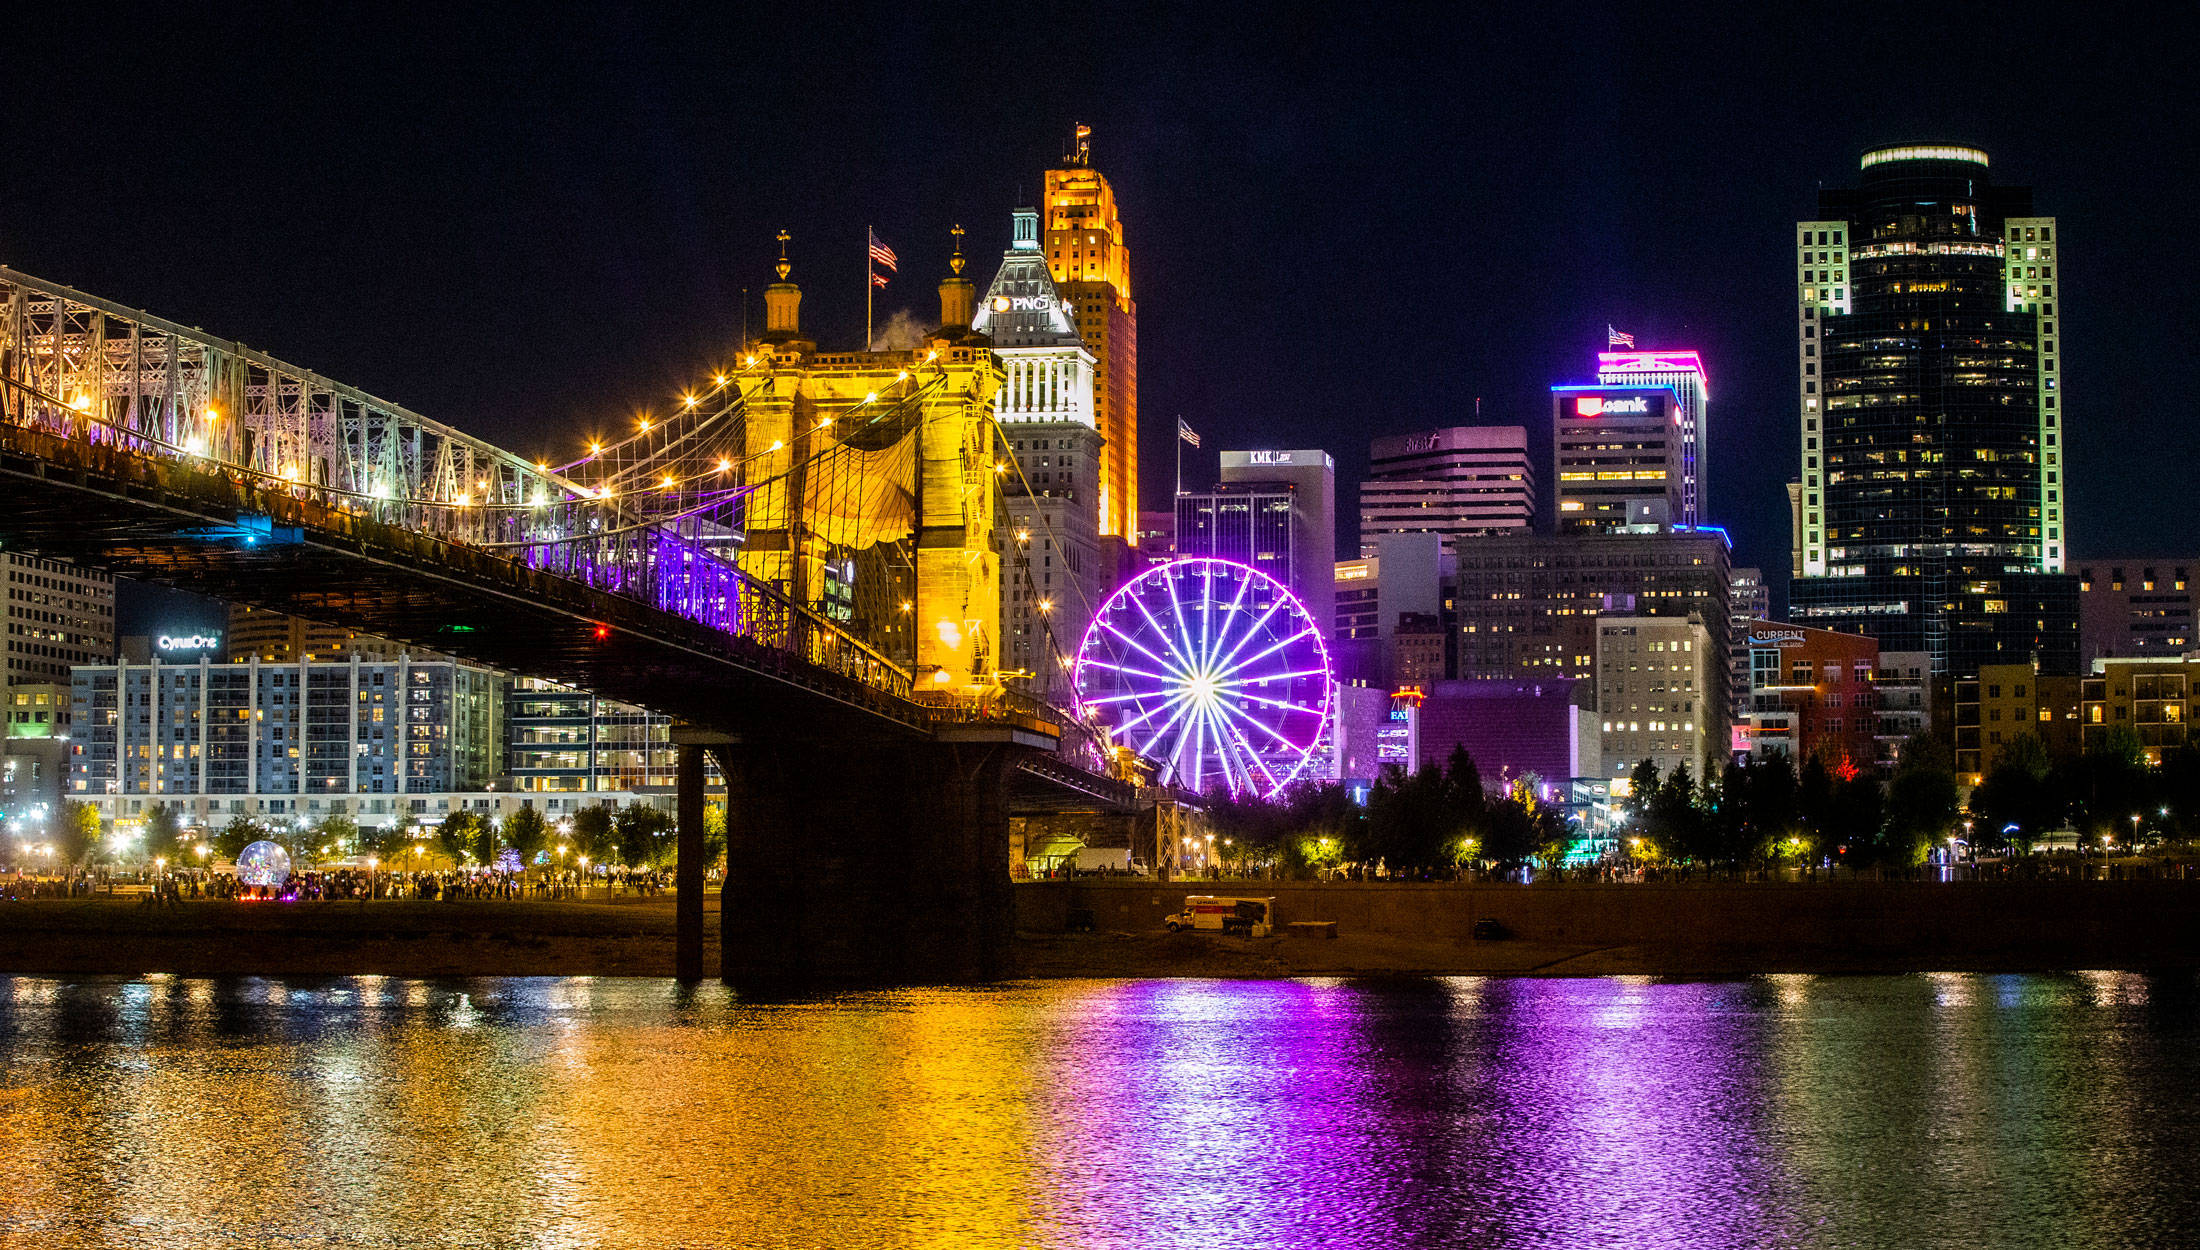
(879, 490)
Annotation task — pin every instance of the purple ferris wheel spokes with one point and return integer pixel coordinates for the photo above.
(1212, 668)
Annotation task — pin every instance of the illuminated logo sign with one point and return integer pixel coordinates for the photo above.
(1776, 638)
(1268, 457)
(188, 642)
(1023, 303)
(1589, 406)
(1000, 303)
(1420, 442)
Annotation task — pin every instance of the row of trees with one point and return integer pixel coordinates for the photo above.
(2029, 792)
(1425, 823)
(1765, 809)
(637, 836)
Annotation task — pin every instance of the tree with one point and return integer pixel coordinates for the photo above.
(1852, 818)
(2019, 799)
(338, 832)
(163, 829)
(592, 834)
(527, 833)
(641, 834)
(462, 835)
(714, 834)
(1921, 801)
(2109, 784)
(76, 833)
(232, 838)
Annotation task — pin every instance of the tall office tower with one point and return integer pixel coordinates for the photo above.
(1460, 480)
(1053, 574)
(1929, 385)
(1312, 477)
(58, 615)
(1617, 455)
(1682, 373)
(1092, 269)
(1749, 599)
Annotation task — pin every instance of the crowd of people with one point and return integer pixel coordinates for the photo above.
(174, 888)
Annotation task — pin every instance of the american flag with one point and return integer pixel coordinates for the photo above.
(1186, 432)
(1613, 338)
(880, 254)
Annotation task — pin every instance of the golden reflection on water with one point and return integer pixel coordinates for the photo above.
(1784, 1111)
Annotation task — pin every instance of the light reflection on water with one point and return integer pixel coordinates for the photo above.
(1944, 1110)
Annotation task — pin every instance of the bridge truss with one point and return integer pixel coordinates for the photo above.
(665, 513)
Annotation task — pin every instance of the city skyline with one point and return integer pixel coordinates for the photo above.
(1664, 216)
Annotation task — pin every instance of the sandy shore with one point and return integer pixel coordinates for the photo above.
(634, 937)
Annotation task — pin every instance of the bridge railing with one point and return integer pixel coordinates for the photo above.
(101, 374)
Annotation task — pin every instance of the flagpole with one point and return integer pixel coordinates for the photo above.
(868, 233)
(1179, 458)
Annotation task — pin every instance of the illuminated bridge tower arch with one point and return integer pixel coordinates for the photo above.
(876, 492)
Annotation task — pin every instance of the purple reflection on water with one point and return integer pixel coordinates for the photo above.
(1464, 1112)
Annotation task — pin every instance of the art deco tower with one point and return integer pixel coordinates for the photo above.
(1092, 269)
(1932, 507)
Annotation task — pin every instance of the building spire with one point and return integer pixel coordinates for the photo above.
(955, 262)
(1082, 155)
(785, 266)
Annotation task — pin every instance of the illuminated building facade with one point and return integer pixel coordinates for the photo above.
(2132, 608)
(1092, 271)
(1812, 692)
(564, 740)
(275, 638)
(1055, 569)
(1308, 477)
(310, 728)
(1661, 693)
(1456, 481)
(2151, 697)
(1529, 606)
(2006, 700)
(1681, 373)
(1617, 455)
(1929, 386)
(58, 615)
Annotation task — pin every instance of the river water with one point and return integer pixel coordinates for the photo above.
(1951, 1110)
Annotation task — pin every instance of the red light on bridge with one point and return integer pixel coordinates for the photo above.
(602, 632)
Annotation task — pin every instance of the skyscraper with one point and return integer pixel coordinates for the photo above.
(1053, 573)
(1929, 386)
(1682, 373)
(1092, 270)
(1311, 478)
(1617, 452)
(1455, 481)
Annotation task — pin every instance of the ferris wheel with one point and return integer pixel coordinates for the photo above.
(1213, 668)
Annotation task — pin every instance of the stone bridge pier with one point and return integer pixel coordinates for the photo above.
(854, 861)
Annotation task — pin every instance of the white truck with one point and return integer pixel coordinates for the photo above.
(1246, 917)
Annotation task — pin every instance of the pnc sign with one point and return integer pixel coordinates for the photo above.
(1594, 406)
(1023, 303)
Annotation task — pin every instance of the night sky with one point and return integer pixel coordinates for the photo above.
(1343, 221)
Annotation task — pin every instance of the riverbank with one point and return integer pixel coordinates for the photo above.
(1677, 930)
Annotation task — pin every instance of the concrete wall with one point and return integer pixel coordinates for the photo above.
(2131, 917)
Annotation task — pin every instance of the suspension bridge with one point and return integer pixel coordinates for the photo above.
(796, 561)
